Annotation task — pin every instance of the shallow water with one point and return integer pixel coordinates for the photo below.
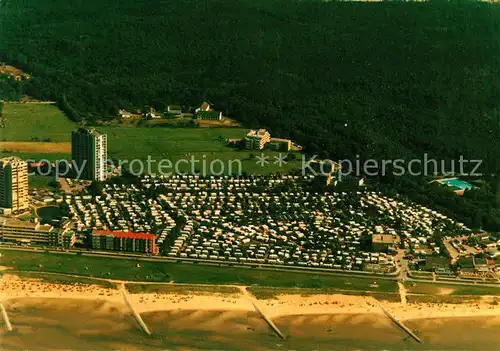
(42, 324)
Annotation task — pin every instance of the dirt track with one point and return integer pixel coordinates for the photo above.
(34, 147)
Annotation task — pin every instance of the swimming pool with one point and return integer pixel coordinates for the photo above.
(455, 182)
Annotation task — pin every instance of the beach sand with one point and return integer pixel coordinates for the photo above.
(82, 317)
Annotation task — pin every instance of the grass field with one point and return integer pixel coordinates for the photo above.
(23, 122)
(174, 144)
(38, 181)
(449, 289)
(38, 156)
(27, 121)
(128, 269)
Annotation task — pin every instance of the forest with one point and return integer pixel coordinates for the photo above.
(381, 80)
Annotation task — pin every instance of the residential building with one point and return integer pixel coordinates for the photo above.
(125, 114)
(480, 264)
(13, 230)
(324, 169)
(174, 110)
(205, 106)
(382, 242)
(466, 265)
(378, 268)
(437, 264)
(209, 115)
(14, 184)
(149, 112)
(89, 150)
(68, 239)
(124, 241)
(257, 139)
(279, 144)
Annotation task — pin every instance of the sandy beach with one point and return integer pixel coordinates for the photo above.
(184, 317)
(11, 287)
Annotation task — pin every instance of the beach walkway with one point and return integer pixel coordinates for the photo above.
(402, 292)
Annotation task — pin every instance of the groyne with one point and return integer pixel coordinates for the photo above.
(136, 315)
(398, 323)
(5, 317)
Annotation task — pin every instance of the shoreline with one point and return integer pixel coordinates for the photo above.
(13, 288)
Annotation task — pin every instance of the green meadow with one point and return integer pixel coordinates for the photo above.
(25, 122)
(176, 146)
(154, 272)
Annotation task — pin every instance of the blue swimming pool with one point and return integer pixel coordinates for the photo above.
(457, 183)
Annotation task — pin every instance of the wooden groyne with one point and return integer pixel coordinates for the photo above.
(268, 321)
(398, 323)
(136, 315)
(5, 317)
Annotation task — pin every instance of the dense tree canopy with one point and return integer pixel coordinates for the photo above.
(382, 80)
(379, 79)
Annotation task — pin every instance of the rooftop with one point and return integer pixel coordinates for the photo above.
(432, 261)
(259, 133)
(91, 131)
(208, 113)
(480, 261)
(127, 235)
(383, 239)
(13, 222)
(10, 159)
(280, 140)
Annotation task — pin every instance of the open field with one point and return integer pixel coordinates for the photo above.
(24, 122)
(185, 121)
(174, 144)
(449, 289)
(38, 156)
(224, 122)
(133, 270)
(34, 147)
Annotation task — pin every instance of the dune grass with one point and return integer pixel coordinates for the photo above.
(450, 289)
(64, 279)
(183, 289)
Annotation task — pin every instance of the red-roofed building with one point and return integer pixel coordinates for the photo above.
(124, 241)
